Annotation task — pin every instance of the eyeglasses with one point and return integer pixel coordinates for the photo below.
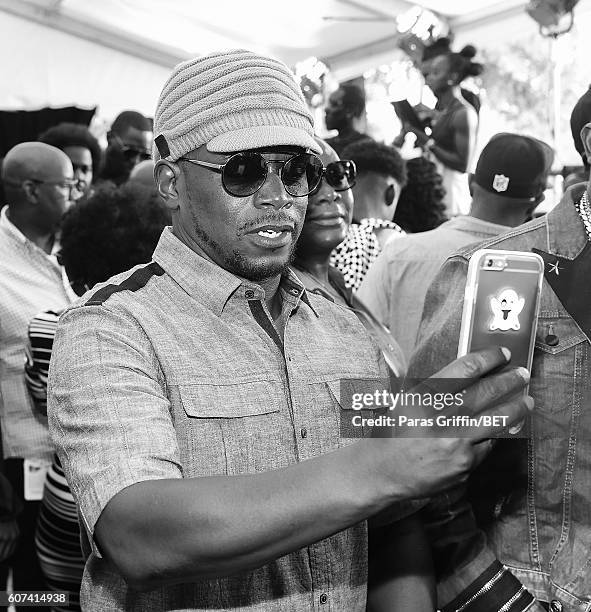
(131, 153)
(245, 173)
(340, 175)
(72, 185)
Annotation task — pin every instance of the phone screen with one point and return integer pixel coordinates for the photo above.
(505, 312)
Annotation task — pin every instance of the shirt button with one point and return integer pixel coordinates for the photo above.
(304, 432)
(555, 606)
(294, 291)
(249, 294)
(324, 599)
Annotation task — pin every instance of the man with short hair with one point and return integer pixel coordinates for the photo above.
(345, 108)
(129, 143)
(195, 401)
(381, 175)
(507, 185)
(39, 185)
(83, 149)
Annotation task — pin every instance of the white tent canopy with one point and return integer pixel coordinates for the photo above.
(117, 53)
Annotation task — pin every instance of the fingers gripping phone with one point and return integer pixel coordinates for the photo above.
(501, 303)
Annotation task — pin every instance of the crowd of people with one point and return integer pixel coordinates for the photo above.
(185, 316)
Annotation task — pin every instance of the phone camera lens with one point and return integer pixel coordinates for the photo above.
(489, 263)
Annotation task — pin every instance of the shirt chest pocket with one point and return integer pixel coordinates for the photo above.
(559, 353)
(239, 428)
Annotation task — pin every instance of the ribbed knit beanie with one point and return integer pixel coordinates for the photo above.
(232, 101)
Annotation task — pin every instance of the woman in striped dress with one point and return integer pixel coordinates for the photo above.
(112, 231)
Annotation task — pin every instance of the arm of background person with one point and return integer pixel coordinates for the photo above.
(159, 528)
(400, 569)
(465, 124)
(464, 563)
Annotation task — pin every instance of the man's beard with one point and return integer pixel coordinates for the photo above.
(238, 264)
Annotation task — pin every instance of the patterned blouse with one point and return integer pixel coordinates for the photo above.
(360, 249)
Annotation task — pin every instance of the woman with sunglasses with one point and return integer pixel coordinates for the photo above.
(328, 217)
(381, 174)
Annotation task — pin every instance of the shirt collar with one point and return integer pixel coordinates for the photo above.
(469, 224)
(9, 228)
(208, 282)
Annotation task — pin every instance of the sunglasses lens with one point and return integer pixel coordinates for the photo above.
(301, 174)
(341, 175)
(244, 174)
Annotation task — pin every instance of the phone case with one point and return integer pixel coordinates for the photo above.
(501, 303)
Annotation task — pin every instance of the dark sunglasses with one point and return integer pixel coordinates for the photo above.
(132, 154)
(340, 175)
(245, 173)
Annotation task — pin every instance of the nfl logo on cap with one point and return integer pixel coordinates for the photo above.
(500, 183)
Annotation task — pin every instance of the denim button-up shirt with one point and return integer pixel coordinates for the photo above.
(532, 497)
(174, 370)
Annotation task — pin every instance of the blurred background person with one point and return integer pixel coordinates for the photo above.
(143, 173)
(112, 231)
(381, 175)
(83, 149)
(328, 217)
(454, 122)
(420, 207)
(39, 185)
(508, 184)
(343, 112)
(129, 143)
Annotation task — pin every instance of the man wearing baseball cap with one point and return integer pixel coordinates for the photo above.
(531, 526)
(195, 400)
(508, 184)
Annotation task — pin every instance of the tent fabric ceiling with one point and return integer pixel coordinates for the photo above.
(290, 31)
(84, 53)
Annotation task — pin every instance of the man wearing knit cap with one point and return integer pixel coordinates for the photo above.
(195, 400)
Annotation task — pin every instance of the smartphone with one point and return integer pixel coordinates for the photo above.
(501, 303)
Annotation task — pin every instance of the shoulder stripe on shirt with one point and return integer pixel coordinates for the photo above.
(134, 282)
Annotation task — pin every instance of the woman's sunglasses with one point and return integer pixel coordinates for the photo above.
(340, 175)
(245, 173)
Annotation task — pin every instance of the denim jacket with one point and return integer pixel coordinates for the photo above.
(529, 522)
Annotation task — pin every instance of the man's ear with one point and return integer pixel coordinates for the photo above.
(166, 174)
(586, 138)
(30, 189)
(471, 183)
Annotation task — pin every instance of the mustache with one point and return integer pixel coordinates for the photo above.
(269, 219)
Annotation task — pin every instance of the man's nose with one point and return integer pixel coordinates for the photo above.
(273, 193)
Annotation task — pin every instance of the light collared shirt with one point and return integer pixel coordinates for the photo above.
(175, 370)
(31, 281)
(395, 286)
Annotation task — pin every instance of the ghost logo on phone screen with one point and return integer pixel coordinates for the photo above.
(506, 309)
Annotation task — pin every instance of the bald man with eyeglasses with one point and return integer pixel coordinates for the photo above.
(39, 186)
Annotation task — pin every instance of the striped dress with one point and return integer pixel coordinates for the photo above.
(58, 534)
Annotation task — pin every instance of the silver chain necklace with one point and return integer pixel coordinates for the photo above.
(584, 211)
